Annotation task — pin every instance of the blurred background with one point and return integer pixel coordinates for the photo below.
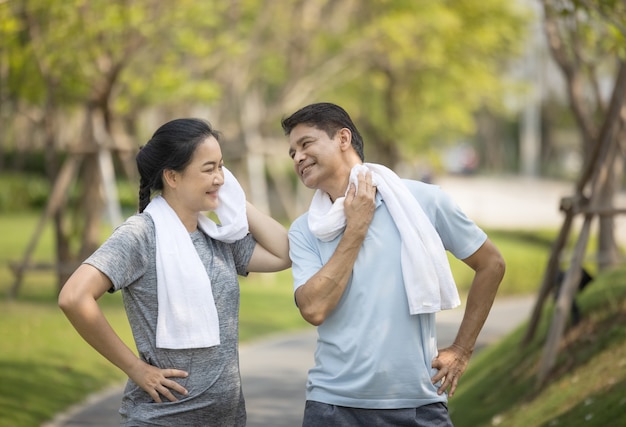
(453, 87)
(516, 96)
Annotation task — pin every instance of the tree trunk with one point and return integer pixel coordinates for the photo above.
(63, 257)
(608, 251)
(91, 203)
(490, 144)
(251, 114)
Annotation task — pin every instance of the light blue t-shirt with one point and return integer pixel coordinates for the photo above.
(371, 353)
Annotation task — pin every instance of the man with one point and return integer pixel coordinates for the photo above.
(370, 272)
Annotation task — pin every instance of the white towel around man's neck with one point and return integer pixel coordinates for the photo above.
(187, 316)
(428, 281)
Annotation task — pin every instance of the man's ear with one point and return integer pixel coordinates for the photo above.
(345, 138)
(170, 177)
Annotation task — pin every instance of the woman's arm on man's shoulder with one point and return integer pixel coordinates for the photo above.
(272, 250)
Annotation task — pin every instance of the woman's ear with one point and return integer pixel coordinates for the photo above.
(170, 178)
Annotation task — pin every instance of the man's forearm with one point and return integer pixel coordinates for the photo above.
(477, 309)
(480, 298)
(321, 293)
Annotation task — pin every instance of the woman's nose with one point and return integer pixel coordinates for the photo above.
(219, 178)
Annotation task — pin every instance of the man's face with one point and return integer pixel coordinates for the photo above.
(315, 155)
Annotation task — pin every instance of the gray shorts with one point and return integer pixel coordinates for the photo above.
(318, 414)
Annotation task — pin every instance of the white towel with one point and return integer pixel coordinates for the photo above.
(187, 317)
(428, 280)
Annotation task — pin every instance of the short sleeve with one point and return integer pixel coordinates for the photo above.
(242, 252)
(459, 234)
(124, 256)
(303, 251)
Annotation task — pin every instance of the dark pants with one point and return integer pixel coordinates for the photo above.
(318, 414)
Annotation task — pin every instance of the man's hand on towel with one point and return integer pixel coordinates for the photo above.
(156, 382)
(360, 203)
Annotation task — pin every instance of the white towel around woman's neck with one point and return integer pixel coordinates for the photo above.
(428, 281)
(187, 316)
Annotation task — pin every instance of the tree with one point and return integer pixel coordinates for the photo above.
(581, 36)
(588, 42)
(429, 67)
(111, 34)
(411, 73)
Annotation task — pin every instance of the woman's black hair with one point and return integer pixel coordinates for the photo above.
(170, 148)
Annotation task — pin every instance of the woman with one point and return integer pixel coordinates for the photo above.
(177, 270)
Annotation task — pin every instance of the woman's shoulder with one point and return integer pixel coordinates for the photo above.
(139, 224)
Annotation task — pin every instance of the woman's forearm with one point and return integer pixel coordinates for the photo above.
(268, 232)
(78, 300)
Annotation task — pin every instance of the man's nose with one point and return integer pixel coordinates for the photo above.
(298, 157)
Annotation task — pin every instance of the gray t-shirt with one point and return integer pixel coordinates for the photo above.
(214, 384)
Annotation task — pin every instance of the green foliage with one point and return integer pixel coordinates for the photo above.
(23, 192)
(267, 305)
(174, 56)
(28, 192)
(525, 253)
(413, 72)
(47, 366)
(596, 27)
(28, 161)
(430, 66)
(128, 197)
(73, 52)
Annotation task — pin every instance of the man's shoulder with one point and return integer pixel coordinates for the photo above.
(300, 222)
(422, 190)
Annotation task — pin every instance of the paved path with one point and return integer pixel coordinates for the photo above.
(274, 371)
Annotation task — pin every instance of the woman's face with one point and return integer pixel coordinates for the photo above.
(201, 180)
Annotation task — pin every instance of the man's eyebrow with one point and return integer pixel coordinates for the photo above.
(299, 142)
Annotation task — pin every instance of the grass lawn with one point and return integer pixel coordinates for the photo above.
(587, 386)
